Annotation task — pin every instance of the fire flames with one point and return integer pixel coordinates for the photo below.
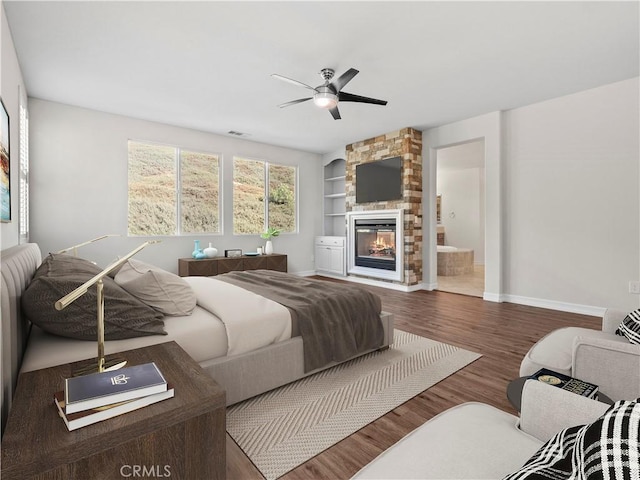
(381, 248)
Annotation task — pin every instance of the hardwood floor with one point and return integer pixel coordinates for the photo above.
(501, 332)
(468, 284)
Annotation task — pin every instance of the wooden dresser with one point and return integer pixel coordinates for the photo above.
(182, 437)
(207, 267)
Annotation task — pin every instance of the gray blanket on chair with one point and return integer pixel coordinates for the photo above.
(336, 320)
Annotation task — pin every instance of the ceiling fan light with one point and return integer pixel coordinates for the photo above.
(325, 99)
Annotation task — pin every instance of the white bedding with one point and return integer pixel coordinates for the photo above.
(228, 320)
(251, 321)
(200, 334)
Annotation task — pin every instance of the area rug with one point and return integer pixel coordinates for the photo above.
(284, 428)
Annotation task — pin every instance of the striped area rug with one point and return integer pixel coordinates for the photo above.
(284, 428)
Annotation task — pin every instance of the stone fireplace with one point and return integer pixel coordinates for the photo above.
(375, 244)
(406, 211)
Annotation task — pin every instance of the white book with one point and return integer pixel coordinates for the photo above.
(74, 421)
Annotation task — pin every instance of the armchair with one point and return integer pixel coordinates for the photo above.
(597, 356)
(477, 441)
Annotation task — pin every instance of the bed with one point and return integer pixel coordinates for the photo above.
(243, 365)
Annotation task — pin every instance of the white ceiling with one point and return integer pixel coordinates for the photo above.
(207, 65)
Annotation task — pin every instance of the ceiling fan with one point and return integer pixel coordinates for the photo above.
(330, 93)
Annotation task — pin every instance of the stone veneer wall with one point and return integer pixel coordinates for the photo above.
(407, 144)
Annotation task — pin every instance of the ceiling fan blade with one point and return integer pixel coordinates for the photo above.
(293, 102)
(291, 80)
(345, 78)
(335, 113)
(350, 97)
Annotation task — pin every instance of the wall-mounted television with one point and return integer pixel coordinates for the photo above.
(379, 181)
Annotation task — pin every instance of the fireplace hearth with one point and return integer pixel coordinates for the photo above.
(375, 244)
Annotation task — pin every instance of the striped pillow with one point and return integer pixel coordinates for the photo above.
(630, 327)
(606, 448)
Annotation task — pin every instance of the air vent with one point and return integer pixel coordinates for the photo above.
(237, 134)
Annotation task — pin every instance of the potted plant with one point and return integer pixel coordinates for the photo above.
(268, 235)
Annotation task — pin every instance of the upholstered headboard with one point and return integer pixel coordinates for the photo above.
(19, 263)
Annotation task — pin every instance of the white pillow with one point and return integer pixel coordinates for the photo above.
(164, 291)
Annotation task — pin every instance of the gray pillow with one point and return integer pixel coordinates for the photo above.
(61, 264)
(164, 291)
(124, 315)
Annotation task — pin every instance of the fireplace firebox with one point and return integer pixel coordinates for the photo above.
(375, 247)
(375, 243)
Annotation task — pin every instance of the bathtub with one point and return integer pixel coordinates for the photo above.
(454, 260)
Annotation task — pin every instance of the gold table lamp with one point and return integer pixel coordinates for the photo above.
(82, 289)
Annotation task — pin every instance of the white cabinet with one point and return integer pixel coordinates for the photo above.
(329, 255)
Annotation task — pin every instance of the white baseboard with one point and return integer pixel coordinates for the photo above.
(378, 283)
(554, 305)
(490, 297)
(493, 297)
(365, 281)
(307, 273)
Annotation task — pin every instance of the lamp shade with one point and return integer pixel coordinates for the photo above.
(325, 98)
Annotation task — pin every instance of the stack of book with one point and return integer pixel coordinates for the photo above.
(565, 382)
(96, 397)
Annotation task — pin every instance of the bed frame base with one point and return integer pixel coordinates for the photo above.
(250, 374)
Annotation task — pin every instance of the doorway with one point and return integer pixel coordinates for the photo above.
(460, 218)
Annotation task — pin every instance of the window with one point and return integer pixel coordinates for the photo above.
(253, 182)
(249, 213)
(282, 198)
(172, 191)
(199, 182)
(24, 169)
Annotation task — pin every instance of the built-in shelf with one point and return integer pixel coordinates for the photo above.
(334, 195)
(335, 179)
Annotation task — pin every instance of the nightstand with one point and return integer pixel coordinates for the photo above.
(179, 438)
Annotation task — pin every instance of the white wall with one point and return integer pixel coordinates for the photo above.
(79, 186)
(488, 128)
(562, 202)
(462, 193)
(571, 199)
(10, 84)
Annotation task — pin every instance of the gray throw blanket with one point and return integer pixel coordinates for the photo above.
(336, 320)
